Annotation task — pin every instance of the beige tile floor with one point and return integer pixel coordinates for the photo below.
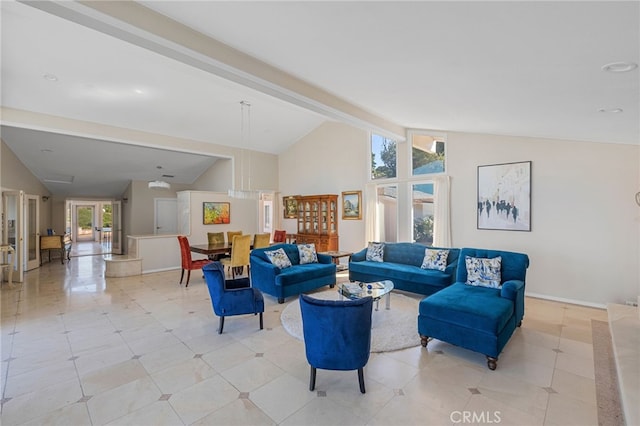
(79, 349)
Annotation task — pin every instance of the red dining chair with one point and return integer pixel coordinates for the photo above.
(188, 264)
(279, 236)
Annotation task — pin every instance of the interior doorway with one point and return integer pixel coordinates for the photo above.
(94, 227)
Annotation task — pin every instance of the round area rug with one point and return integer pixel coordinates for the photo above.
(393, 329)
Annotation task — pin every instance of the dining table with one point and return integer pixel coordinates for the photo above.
(211, 249)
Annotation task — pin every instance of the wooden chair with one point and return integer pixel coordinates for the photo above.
(189, 264)
(279, 236)
(261, 240)
(239, 254)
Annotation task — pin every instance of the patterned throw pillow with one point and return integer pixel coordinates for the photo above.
(307, 253)
(375, 252)
(435, 259)
(279, 258)
(483, 272)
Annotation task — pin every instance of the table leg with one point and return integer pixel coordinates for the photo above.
(388, 301)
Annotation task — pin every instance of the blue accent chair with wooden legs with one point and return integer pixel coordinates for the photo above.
(231, 297)
(476, 317)
(337, 335)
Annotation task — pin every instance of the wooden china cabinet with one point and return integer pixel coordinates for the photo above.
(318, 221)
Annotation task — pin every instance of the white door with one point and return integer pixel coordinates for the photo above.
(32, 232)
(116, 227)
(13, 202)
(166, 216)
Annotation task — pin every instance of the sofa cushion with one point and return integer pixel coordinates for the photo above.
(375, 252)
(473, 307)
(435, 259)
(483, 272)
(301, 273)
(278, 258)
(307, 253)
(399, 271)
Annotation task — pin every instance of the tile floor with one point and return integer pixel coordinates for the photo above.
(79, 349)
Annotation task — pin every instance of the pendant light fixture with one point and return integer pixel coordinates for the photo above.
(245, 135)
(159, 184)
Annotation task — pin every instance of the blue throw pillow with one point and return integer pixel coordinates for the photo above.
(307, 253)
(278, 258)
(375, 252)
(435, 259)
(483, 272)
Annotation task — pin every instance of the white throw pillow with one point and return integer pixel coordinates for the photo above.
(307, 253)
(483, 272)
(375, 252)
(435, 259)
(278, 258)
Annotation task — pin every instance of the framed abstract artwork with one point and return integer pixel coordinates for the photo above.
(352, 205)
(504, 196)
(214, 213)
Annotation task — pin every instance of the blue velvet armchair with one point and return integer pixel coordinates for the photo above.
(337, 335)
(478, 318)
(232, 297)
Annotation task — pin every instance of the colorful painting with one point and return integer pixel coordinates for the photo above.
(216, 213)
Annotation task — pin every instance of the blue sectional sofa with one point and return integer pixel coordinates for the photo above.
(293, 280)
(477, 317)
(401, 264)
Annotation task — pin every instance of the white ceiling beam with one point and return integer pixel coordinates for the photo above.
(139, 25)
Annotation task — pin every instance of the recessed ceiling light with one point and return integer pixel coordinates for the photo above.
(138, 91)
(620, 67)
(610, 110)
(50, 77)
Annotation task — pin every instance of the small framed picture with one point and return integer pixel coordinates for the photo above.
(214, 213)
(504, 196)
(352, 205)
(290, 207)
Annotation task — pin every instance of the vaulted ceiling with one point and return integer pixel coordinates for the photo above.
(180, 69)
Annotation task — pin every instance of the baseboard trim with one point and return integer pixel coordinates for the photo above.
(566, 300)
(150, 271)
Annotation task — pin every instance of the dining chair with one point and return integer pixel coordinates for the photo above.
(239, 254)
(261, 240)
(279, 236)
(231, 297)
(188, 263)
(231, 234)
(216, 238)
(337, 335)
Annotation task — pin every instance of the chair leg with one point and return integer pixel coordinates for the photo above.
(188, 276)
(312, 379)
(181, 276)
(361, 379)
(492, 362)
(261, 326)
(221, 325)
(424, 340)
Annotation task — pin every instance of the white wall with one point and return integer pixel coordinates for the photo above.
(244, 215)
(329, 160)
(584, 244)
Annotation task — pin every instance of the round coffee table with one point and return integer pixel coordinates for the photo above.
(358, 290)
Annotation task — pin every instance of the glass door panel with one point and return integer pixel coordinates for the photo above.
(32, 240)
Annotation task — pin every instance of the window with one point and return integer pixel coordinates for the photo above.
(387, 212)
(383, 157)
(427, 154)
(422, 211)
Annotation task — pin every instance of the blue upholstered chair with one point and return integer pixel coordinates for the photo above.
(478, 318)
(232, 297)
(337, 335)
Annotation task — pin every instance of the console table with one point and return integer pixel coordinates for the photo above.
(61, 243)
